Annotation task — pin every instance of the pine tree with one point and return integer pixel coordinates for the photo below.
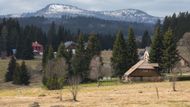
(132, 56)
(170, 55)
(44, 57)
(52, 36)
(3, 42)
(21, 75)
(50, 54)
(28, 50)
(156, 51)
(16, 75)
(80, 50)
(79, 62)
(62, 53)
(11, 40)
(19, 45)
(61, 34)
(93, 47)
(119, 55)
(146, 40)
(24, 75)
(11, 69)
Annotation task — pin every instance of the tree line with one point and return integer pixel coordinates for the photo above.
(179, 24)
(164, 49)
(15, 36)
(67, 67)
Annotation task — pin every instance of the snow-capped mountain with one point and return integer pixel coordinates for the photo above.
(59, 10)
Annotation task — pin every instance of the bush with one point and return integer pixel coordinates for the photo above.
(54, 82)
(54, 74)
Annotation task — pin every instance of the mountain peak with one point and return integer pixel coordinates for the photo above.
(57, 10)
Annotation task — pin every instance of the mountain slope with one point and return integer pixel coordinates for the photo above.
(61, 10)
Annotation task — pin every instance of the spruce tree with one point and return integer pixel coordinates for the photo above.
(16, 75)
(24, 75)
(132, 56)
(156, 51)
(44, 57)
(28, 50)
(3, 42)
(170, 55)
(52, 36)
(19, 45)
(119, 55)
(50, 54)
(146, 40)
(62, 52)
(93, 47)
(80, 50)
(11, 69)
(79, 62)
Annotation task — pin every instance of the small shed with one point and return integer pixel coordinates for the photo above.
(143, 71)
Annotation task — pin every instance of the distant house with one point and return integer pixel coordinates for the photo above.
(70, 45)
(141, 51)
(184, 53)
(143, 71)
(37, 48)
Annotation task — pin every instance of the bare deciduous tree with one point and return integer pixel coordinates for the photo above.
(55, 74)
(74, 82)
(107, 70)
(96, 65)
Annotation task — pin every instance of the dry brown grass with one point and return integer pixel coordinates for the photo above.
(126, 95)
(33, 64)
(122, 95)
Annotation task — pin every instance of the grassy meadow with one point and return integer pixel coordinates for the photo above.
(117, 95)
(32, 64)
(109, 94)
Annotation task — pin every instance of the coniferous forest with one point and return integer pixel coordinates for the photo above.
(19, 35)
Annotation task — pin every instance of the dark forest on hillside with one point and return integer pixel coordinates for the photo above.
(20, 33)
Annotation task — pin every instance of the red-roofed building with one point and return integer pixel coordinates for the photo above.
(37, 48)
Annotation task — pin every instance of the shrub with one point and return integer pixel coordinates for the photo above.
(183, 78)
(54, 74)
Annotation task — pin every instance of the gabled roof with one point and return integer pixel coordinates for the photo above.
(69, 43)
(142, 64)
(36, 44)
(134, 67)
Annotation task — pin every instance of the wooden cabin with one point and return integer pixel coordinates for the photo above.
(143, 71)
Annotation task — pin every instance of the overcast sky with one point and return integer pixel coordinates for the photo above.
(152, 7)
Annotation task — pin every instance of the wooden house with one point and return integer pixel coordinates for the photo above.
(143, 71)
(70, 45)
(37, 48)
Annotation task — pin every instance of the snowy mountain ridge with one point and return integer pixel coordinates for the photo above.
(60, 10)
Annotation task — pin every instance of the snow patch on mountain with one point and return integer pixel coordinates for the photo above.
(59, 10)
